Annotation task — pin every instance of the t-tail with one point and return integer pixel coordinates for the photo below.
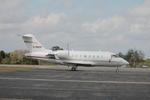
(32, 43)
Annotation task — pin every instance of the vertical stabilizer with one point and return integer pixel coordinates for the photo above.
(32, 44)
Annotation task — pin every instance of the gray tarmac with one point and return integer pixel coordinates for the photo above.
(59, 83)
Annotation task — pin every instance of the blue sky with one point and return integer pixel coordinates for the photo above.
(85, 9)
(111, 25)
(91, 8)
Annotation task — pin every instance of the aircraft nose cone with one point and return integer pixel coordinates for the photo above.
(125, 62)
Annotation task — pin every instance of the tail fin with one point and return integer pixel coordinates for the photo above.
(32, 44)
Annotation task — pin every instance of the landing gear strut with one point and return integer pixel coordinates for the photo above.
(74, 68)
(117, 69)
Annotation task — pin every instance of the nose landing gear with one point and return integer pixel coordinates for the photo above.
(117, 69)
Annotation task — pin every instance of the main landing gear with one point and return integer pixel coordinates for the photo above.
(74, 68)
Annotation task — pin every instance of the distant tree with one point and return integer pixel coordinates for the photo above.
(1, 59)
(120, 54)
(7, 59)
(2, 56)
(30, 61)
(134, 57)
(55, 48)
(16, 57)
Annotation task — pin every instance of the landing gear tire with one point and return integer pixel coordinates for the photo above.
(74, 68)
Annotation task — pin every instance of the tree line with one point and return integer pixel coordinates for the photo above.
(16, 57)
(134, 57)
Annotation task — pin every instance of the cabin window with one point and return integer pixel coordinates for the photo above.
(76, 55)
(85, 56)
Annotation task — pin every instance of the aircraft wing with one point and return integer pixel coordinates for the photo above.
(78, 62)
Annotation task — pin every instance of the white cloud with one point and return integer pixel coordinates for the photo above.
(9, 4)
(51, 19)
(135, 22)
(142, 10)
(44, 24)
(104, 25)
(10, 10)
(117, 33)
(11, 16)
(130, 30)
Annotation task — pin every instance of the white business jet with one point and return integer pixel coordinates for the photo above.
(71, 58)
